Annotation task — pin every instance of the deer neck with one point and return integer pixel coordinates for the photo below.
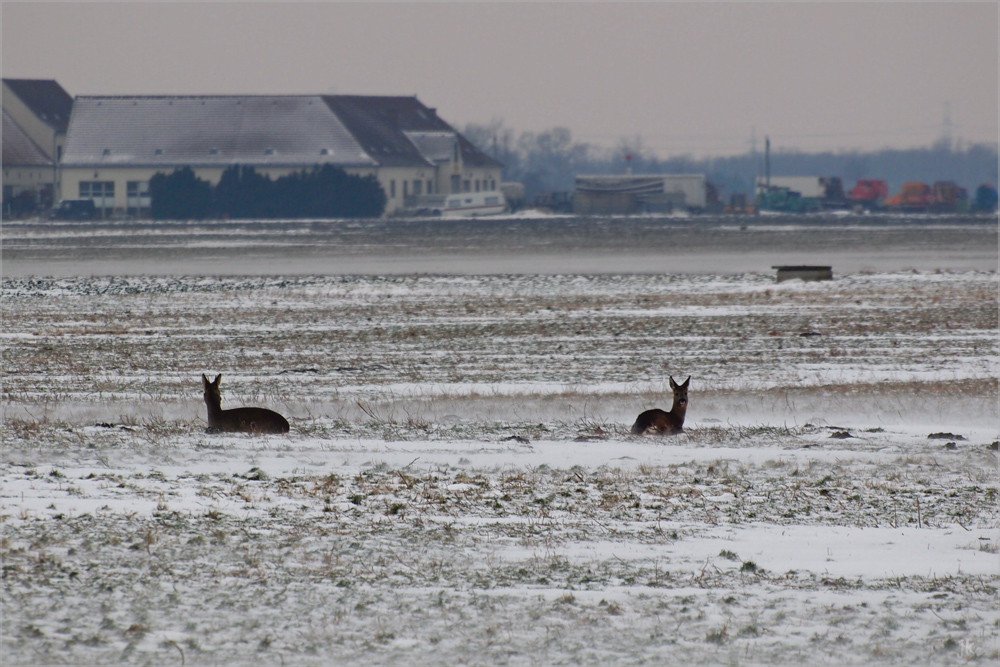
(214, 409)
(678, 410)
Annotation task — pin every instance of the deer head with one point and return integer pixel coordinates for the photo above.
(680, 393)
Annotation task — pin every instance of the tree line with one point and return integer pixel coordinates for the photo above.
(549, 161)
(242, 193)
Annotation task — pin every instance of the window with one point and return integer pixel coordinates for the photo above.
(417, 187)
(406, 188)
(456, 183)
(466, 185)
(102, 192)
(392, 189)
(97, 190)
(137, 197)
(430, 187)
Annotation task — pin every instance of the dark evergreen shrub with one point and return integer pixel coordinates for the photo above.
(243, 193)
(180, 196)
(324, 192)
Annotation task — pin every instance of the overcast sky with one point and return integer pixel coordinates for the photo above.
(687, 78)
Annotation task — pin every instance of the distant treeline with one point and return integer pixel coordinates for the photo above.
(548, 162)
(325, 192)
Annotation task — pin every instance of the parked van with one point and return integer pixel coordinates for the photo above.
(473, 204)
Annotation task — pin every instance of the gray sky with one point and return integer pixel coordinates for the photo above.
(688, 78)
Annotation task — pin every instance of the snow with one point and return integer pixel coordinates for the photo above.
(459, 485)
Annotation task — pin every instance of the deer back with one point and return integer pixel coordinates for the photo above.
(249, 420)
(658, 422)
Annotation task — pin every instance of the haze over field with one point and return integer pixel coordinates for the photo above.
(688, 78)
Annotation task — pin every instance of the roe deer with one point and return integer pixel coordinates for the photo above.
(665, 423)
(239, 420)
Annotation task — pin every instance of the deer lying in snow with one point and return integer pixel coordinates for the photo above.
(239, 420)
(665, 423)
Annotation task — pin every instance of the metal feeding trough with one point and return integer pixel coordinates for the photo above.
(804, 273)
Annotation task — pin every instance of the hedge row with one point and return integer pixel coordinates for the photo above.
(324, 192)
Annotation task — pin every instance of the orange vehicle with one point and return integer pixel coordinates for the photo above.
(915, 196)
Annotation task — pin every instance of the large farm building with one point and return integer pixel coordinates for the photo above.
(113, 145)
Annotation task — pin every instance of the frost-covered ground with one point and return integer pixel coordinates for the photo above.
(459, 485)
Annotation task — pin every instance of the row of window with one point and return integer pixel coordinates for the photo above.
(418, 187)
(457, 185)
(456, 202)
(32, 176)
(103, 194)
(467, 185)
(492, 185)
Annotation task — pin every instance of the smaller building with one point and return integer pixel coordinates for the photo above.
(36, 115)
(639, 193)
(806, 186)
(28, 173)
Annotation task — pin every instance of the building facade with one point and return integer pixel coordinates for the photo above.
(36, 115)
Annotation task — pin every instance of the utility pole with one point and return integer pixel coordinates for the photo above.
(767, 162)
(946, 129)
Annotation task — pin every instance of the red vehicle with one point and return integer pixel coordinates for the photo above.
(869, 193)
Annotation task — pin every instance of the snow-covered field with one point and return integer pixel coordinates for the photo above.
(459, 485)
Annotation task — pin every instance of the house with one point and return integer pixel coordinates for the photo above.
(115, 144)
(36, 114)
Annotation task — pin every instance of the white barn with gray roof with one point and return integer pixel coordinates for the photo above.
(115, 144)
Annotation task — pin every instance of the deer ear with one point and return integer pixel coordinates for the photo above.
(204, 380)
(686, 383)
(673, 385)
(216, 380)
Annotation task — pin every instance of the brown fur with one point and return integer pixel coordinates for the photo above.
(239, 420)
(658, 422)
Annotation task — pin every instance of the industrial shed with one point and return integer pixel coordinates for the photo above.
(639, 193)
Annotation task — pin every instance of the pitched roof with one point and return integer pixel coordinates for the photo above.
(377, 123)
(18, 148)
(261, 130)
(46, 99)
(387, 125)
